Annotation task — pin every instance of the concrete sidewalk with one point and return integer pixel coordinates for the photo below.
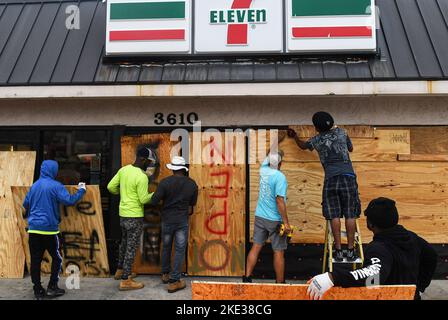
(107, 289)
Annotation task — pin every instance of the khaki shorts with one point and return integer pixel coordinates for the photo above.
(266, 229)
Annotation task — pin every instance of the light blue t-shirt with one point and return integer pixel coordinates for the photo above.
(272, 184)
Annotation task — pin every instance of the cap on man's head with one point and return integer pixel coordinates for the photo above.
(323, 121)
(274, 159)
(146, 153)
(177, 163)
(382, 213)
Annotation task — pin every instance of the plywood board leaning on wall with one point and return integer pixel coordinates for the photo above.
(16, 168)
(82, 233)
(266, 291)
(148, 258)
(419, 187)
(217, 233)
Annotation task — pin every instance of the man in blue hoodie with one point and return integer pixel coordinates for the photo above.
(42, 209)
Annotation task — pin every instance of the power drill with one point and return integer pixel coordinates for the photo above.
(281, 230)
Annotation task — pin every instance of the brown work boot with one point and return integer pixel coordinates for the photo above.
(130, 284)
(165, 278)
(176, 286)
(119, 274)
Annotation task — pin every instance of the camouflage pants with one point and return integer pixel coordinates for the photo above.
(131, 231)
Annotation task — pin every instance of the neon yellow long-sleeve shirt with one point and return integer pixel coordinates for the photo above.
(132, 185)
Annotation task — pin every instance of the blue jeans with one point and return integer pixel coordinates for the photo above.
(179, 234)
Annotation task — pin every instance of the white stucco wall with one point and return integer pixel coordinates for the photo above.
(231, 111)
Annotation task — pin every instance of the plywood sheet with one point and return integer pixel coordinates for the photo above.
(429, 140)
(384, 146)
(261, 291)
(16, 168)
(217, 233)
(82, 233)
(148, 258)
(353, 131)
(419, 188)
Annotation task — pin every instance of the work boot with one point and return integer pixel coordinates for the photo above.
(339, 255)
(247, 279)
(39, 292)
(351, 255)
(119, 274)
(130, 284)
(176, 286)
(54, 291)
(165, 278)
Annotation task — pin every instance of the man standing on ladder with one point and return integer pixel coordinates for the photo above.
(340, 193)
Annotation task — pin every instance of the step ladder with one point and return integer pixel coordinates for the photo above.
(328, 249)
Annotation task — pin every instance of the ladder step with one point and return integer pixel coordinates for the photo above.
(345, 261)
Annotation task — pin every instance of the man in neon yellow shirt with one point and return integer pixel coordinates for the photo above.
(131, 183)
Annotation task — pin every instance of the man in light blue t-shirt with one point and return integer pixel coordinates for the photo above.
(269, 215)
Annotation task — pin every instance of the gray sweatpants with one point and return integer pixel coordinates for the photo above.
(131, 231)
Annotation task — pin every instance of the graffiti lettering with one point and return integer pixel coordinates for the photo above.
(233, 254)
(75, 246)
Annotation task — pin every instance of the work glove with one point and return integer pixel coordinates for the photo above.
(292, 133)
(319, 285)
(82, 185)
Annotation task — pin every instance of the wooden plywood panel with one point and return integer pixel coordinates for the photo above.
(261, 291)
(82, 233)
(148, 258)
(352, 131)
(429, 140)
(217, 231)
(16, 168)
(384, 146)
(419, 188)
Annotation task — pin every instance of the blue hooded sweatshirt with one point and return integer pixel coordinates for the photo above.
(43, 200)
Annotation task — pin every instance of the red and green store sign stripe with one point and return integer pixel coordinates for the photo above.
(307, 8)
(147, 10)
(332, 32)
(147, 35)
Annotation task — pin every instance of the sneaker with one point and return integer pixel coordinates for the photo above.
(176, 286)
(165, 278)
(54, 291)
(119, 274)
(39, 293)
(339, 255)
(351, 255)
(247, 279)
(130, 284)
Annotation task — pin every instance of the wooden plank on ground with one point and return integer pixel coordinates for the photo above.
(82, 233)
(217, 230)
(16, 168)
(262, 291)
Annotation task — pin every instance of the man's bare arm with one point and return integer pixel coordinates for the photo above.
(302, 144)
(281, 206)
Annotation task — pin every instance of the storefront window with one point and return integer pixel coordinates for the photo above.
(82, 155)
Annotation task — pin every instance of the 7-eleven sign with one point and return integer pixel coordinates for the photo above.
(231, 26)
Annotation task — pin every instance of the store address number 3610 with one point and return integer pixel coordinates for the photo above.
(173, 119)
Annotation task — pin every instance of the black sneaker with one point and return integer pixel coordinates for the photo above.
(339, 255)
(247, 279)
(351, 255)
(39, 293)
(54, 291)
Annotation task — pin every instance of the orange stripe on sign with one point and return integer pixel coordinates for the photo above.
(237, 33)
(331, 32)
(136, 35)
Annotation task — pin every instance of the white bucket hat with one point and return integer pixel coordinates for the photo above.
(177, 163)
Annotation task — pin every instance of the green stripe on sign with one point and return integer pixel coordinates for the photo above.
(303, 8)
(147, 10)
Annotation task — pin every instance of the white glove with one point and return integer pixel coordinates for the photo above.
(319, 285)
(82, 185)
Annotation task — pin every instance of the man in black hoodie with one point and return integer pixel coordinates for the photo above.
(396, 256)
